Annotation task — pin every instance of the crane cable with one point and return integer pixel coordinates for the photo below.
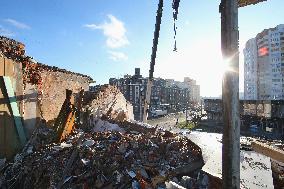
(175, 6)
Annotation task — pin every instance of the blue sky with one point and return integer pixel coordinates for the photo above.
(109, 38)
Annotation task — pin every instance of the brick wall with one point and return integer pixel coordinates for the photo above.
(54, 85)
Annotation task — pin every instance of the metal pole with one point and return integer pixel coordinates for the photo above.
(230, 95)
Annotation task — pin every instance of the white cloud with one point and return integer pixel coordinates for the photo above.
(17, 24)
(5, 32)
(113, 30)
(117, 56)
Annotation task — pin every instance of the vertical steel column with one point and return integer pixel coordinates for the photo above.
(230, 95)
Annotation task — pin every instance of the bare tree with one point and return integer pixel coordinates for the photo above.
(194, 114)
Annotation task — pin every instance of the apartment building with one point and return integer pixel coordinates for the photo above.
(250, 70)
(174, 95)
(264, 65)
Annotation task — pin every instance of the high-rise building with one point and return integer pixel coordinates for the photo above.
(264, 65)
(250, 70)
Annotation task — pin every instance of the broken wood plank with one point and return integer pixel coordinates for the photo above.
(243, 3)
(268, 150)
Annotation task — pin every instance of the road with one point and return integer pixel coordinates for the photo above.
(167, 122)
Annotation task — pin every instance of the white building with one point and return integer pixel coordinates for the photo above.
(250, 70)
(187, 83)
(195, 89)
(264, 65)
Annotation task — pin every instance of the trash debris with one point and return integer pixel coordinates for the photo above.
(277, 173)
(102, 126)
(2, 163)
(89, 143)
(142, 159)
(108, 102)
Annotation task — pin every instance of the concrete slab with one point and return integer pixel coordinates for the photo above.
(268, 150)
(255, 168)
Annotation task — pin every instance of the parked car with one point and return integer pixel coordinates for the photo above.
(254, 128)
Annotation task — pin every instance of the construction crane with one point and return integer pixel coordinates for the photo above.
(175, 6)
(153, 58)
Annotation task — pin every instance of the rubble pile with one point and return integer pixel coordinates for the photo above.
(109, 101)
(104, 151)
(276, 166)
(109, 159)
(11, 48)
(278, 174)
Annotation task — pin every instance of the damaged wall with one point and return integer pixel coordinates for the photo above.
(39, 90)
(31, 114)
(54, 85)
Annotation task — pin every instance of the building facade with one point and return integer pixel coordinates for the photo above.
(264, 65)
(266, 117)
(166, 93)
(250, 70)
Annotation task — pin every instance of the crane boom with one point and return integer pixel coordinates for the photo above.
(153, 58)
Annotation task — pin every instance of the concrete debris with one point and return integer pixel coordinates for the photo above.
(141, 158)
(103, 126)
(88, 143)
(255, 170)
(278, 174)
(187, 182)
(173, 185)
(202, 181)
(110, 102)
(2, 163)
(11, 48)
(273, 149)
(104, 151)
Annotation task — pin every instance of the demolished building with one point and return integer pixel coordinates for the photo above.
(104, 148)
(37, 89)
(101, 147)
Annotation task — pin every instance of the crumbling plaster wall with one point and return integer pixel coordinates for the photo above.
(54, 85)
(31, 114)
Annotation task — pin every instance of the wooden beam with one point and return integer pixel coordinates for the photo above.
(268, 150)
(243, 3)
